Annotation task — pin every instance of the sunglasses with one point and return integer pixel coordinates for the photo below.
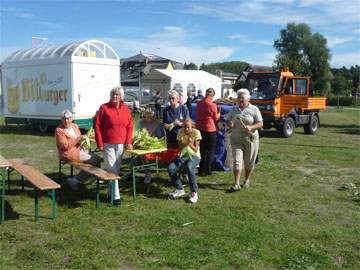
(172, 98)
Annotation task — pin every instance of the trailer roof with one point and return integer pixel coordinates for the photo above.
(88, 48)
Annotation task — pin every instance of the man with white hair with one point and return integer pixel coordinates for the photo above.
(113, 129)
(244, 120)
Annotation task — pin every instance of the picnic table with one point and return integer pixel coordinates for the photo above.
(138, 168)
(4, 165)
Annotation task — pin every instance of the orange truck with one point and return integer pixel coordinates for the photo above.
(284, 101)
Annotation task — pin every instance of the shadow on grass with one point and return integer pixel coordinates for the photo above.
(345, 129)
(10, 214)
(308, 145)
(25, 130)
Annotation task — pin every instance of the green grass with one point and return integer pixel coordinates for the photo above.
(293, 216)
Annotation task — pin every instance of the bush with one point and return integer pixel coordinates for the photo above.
(343, 101)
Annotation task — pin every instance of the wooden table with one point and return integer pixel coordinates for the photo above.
(4, 165)
(137, 168)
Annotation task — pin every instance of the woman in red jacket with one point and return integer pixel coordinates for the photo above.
(113, 130)
(206, 116)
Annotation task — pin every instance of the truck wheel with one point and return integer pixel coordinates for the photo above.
(43, 127)
(288, 128)
(312, 126)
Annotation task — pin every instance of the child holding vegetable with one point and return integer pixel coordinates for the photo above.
(189, 140)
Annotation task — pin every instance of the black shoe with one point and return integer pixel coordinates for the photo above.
(117, 202)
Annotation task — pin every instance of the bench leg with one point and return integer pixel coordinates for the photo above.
(36, 205)
(53, 204)
(134, 184)
(8, 178)
(97, 193)
(22, 183)
(112, 192)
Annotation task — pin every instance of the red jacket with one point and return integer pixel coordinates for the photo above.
(68, 147)
(206, 115)
(113, 125)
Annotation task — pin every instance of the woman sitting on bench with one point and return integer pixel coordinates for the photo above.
(68, 139)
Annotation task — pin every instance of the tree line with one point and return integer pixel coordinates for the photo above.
(304, 53)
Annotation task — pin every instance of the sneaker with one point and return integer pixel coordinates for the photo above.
(147, 179)
(235, 188)
(246, 184)
(177, 193)
(73, 183)
(193, 197)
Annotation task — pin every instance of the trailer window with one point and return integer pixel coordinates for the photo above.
(300, 87)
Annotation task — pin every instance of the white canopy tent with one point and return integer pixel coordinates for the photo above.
(183, 81)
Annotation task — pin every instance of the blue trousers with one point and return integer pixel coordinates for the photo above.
(186, 165)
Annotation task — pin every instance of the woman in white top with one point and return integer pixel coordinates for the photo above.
(244, 121)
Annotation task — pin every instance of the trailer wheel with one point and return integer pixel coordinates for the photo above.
(43, 127)
(313, 125)
(287, 129)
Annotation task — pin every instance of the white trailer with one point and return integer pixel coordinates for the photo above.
(183, 81)
(37, 84)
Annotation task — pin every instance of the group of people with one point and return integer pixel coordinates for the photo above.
(189, 145)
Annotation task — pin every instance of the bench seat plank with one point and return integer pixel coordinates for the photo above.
(98, 172)
(39, 180)
(4, 163)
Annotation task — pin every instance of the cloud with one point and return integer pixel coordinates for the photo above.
(313, 12)
(335, 41)
(265, 59)
(345, 59)
(247, 40)
(16, 12)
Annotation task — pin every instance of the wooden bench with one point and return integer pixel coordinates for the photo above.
(40, 182)
(4, 165)
(99, 174)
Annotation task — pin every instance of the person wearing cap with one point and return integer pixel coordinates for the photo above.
(206, 117)
(199, 96)
(155, 129)
(68, 139)
(244, 121)
(113, 130)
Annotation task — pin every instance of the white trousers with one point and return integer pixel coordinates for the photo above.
(112, 161)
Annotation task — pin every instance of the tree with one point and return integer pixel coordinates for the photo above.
(305, 53)
(190, 66)
(340, 85)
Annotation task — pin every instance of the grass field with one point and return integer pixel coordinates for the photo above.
(293, 216)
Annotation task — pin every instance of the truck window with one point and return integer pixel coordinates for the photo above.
(289, 87)
(300, 87)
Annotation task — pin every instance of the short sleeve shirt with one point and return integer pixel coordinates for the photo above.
(250, 115)
(183, 138)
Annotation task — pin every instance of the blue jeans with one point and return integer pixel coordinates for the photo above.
(184, 165)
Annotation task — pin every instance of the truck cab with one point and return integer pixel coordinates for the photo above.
(284, 101)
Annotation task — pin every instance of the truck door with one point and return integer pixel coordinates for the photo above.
(294, 95)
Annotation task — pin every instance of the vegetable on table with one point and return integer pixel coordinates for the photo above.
(143, 141)
(88, 138)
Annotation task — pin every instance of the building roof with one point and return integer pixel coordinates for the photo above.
(88, 48)
(184, 75)
(141, 57)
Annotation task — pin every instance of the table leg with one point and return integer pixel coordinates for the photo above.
(157, 166)
(2, 195)
(134, 183)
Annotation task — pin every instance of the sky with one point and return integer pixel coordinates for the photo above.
(185, 31)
